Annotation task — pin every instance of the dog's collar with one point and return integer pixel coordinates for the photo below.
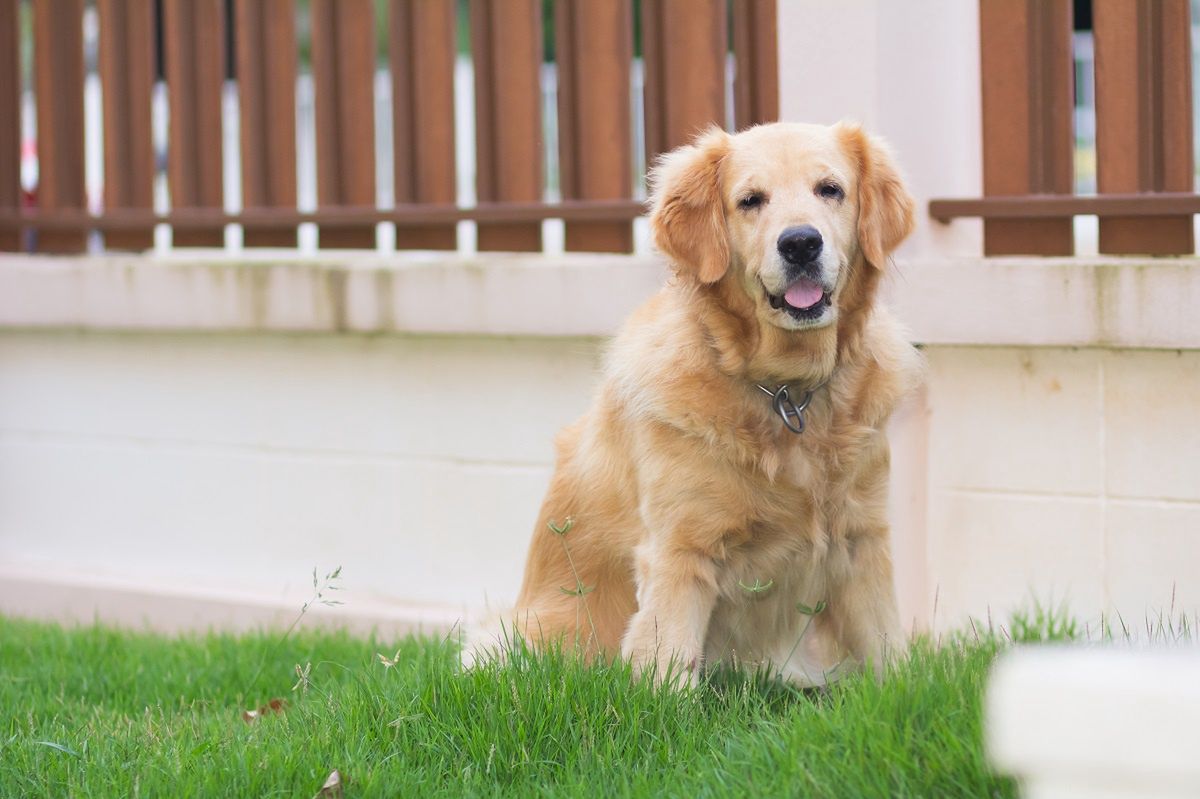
(788, 409)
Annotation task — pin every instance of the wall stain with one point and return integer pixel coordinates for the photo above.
(254, 282)
(385, 307)
(334, 286)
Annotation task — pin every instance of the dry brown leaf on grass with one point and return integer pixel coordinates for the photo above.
(274, 706)
(332, 789)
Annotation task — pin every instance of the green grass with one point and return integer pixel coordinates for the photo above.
(92, 711)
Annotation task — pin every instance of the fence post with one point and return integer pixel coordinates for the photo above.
(10, 122)
(194, 46)
(756, 50)
(683, 44)
(422, 50)
(1028, 75)
(265, 39)
(1144, 118)
(127, 81)
(594, 49)
(58, 74)
(506, 39)
(343, 68)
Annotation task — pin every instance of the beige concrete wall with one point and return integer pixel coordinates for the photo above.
(193, 467)
(225, 467)
(1063, 474)
(228, 466)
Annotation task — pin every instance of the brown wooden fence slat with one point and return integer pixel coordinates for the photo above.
(1144, 118)
(683, 43)
(127, 81)
(594, 44)
(194, 47)
(58, 77)
(265, 40)
(1027, 118)
(423, 46)
(343, 68)
(10, 120)
(756, 53)
(506, 40)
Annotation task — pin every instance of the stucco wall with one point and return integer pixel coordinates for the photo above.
(209, 464)
(1067, 475)
(192, 467)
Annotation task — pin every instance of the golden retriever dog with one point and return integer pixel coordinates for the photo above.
(724, 499)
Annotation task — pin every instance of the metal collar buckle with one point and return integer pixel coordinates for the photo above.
(790, 411)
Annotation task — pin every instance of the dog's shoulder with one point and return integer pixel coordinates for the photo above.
(661, 369)
(658, 347)
(887, 368)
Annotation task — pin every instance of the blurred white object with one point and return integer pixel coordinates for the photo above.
(1090, 722)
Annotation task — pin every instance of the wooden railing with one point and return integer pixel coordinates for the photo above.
(683, 44)
(1144, 148)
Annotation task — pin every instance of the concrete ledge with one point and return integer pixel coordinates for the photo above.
(1074, 302)
(1097, 722)
(1004, 302)
(579, 295)
(172, 608)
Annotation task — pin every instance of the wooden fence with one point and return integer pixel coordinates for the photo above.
(684, 44)
(1144, 156)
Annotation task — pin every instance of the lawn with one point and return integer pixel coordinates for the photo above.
(92, 711)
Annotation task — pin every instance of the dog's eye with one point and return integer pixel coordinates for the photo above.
(830, 191)
(753, 200)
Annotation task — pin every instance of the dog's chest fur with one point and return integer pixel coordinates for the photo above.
(820, 489)
(793, 506)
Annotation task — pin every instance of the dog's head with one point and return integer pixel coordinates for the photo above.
(785, 211)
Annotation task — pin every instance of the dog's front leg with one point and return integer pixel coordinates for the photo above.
(863, 604)
(676, 591)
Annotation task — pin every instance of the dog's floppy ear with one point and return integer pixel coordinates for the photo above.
(687, 218)
(885, 208)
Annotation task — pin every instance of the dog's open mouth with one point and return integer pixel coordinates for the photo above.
(803, 299)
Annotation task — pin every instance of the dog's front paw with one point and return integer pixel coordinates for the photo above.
(667, 667)
(671, 672)
(678, 674)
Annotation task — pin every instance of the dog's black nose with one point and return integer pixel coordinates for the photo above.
(799, 244)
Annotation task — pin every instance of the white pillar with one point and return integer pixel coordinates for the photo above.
(907, 71)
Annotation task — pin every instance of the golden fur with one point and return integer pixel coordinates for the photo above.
(698, 521)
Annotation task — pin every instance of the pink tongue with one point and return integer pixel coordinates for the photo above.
(803, 294)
